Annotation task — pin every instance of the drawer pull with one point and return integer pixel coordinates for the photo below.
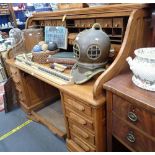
(83, 25)
(80, 132)
(106, 25)
(78, 119)
(130, 137)
(75, 105)
(132, 116)
(86, 148)
(116, 25)
(19, 90)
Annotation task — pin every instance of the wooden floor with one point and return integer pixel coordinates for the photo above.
(54, 115)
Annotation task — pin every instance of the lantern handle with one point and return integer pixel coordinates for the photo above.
(97, 25)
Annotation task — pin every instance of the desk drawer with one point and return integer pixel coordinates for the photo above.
(48, 23)
(42, 23)
(80, 132)
(77, 23)
(77, 105)
(86, 147)
(54, 23)
(14, 73)
(73, 147)
(82, 121)
(105, 22)
(59, 23)
(118, 22)
(131, 137)
(88, 23)
(133, 114)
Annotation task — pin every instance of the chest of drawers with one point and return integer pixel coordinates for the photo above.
(130, 114)
(85, 123)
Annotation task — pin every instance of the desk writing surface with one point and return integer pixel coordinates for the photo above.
(84, 91)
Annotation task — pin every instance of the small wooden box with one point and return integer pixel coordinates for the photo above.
(32, 37)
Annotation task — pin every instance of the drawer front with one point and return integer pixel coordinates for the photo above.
(133, 114)
(59, 23)
(15, 75)
(13, 70)
(80, 132)
(82, 121)
(73, 147)
(83, 23)
(54, 23)
(18, 84)
(105, 22)
(77, 23)
(77, 105)
(20, 93)
(48, 23)
(130, 136)
(118, 22)
(86, 147)
(42, 23)
(88, 23)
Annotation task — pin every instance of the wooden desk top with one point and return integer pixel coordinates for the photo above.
(123, 86)
(84, 91)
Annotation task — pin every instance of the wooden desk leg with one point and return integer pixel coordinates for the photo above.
(109, 120)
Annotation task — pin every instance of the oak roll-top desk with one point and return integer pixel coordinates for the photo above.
(83, 105)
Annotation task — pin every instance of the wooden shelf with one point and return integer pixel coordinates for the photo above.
(119, 36)
(19, 10)
(7, 14)
(21, 24)
(6, 28)
(119, 41)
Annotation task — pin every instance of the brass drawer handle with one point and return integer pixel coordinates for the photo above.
(130, 137)
(78, 119)
(86, 148)
(132, 116)
(80, 132)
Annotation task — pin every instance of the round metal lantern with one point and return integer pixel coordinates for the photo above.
(91, 49)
